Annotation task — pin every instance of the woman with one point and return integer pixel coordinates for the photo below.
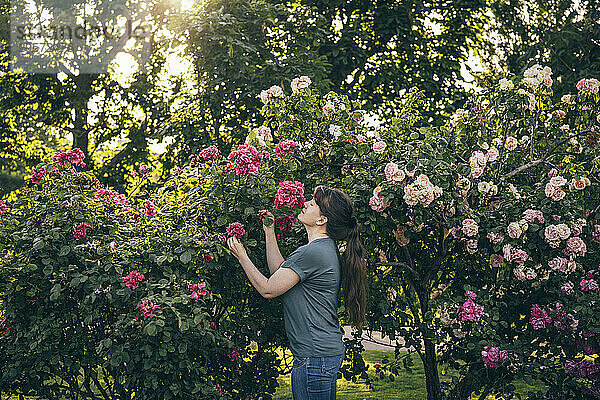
(308, 282)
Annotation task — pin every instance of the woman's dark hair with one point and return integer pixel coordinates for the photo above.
(341, 225)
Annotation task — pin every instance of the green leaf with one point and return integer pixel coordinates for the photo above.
(64, 250)
(151, 329)
(38, 244)
(186, 257)
(221, 220)
(182, 347)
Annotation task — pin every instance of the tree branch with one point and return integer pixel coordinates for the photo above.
(543, 159)
(398, 264)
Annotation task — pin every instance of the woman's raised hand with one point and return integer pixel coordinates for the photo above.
(268, 221)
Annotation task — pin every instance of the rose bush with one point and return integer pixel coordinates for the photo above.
(104, 297)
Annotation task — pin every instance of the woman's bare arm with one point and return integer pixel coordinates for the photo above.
(274, 257)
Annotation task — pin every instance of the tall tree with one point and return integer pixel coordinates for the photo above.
(374, 51)
(112, 123)
(563, 34)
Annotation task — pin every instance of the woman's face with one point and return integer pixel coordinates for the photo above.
(311, 213)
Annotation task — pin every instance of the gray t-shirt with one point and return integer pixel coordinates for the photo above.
(310, 307)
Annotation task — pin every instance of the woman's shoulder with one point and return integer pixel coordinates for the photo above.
(318, 246)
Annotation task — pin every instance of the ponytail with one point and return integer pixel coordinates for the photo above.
(354, 276)
(341, 225)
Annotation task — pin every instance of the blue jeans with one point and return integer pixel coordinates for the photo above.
(314, 378)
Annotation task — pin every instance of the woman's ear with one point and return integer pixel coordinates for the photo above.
(322, 220)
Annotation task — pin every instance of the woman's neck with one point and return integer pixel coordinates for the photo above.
(316, 234)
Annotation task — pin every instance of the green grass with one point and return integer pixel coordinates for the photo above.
(407, 386)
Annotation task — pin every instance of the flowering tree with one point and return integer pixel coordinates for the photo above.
(475, 230)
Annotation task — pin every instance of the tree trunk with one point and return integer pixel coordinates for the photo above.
(432, 380)
(82, 95)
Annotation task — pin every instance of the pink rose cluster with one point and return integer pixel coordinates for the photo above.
(470, 227)
(477, 161)
(150, 208)
(80, 231)
(246, 159)
(421, 191)
(554, 188)
(590, 283)
(530, 216)
(576, 247)
(379, 147)
(563, 321)
(148, 308)
(37, 174)
(539, 318)
(285, 147)
(3, 207)
(516, 229)
(286, 222)
(515, 254)
(376, 201)
(198, 289)
(495, 238)
(133, 279)
(493, 356)
(562, 264)
(523, 273)
(596, 233)
(588, 86)
(210, 153)
(274, 92)
(143, 170)
(393, 174)
(469, 310)
(554, 234)
(567, 288)
(73, 156)
(290, 194)
(236, 229)
(118, 199)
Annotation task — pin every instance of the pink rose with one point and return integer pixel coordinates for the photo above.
(567, 288)
(209, 153)
(379, 147)
(539, 318)
(393, 174)
(133, 279)
(470, 227)
(496, 260)
(3, 207)
(236, 229)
